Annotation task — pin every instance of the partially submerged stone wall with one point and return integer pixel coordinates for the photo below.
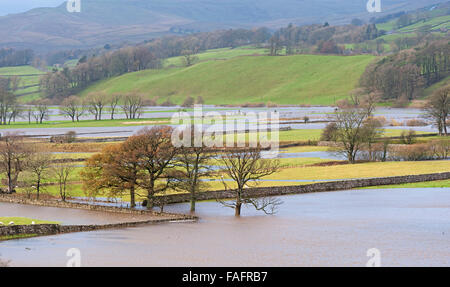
(310, 188)
(60, 204)
(50, 229)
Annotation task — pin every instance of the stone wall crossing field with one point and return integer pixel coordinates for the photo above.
(310, 188)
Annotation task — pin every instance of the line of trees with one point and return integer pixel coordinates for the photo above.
(23, 165)
(11, 57)
(324, 39)
(148, 165)
(61, 83)
(97, 105)
(11, 109)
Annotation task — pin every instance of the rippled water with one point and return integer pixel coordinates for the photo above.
(411, 227)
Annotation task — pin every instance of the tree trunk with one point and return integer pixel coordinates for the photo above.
(132, 197)
(193, 199)
(38, 187)
(238, 203)
(151, 195)
(238, 209)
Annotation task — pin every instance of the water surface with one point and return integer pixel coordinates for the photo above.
(411, 227)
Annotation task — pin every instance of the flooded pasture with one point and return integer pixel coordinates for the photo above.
(410, 227)
(290, 119)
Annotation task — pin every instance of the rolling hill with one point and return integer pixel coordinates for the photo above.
(118, 21)
(302, 79)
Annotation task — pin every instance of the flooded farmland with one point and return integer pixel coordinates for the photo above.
(410, 227)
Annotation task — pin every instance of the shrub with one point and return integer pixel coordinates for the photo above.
(168, 103)
(150, 103)
(272, 105)
(329, 132)
(254, 105)
(415, 152)
(394, 123)
(408, 137)
(382, 120)
(200, 100)
(344, 104)
(401, 102)
(416, 123)
(188, 102)
(440, 148)
(69, 137)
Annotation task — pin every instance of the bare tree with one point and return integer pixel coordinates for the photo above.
(14, 155)
(114, 102)
(96, 105)
(132, 106)
(38, 165)
(7, 103)
(194, 163)
(243, 167)
(72, 107)
(16, 112)
(359, 98)
(63, 171)
(42, 111)
(437, 109)
(353, 131)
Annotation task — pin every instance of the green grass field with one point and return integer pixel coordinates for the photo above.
(301, 79)
(218, 54)
(29, 81)
(86, 123)
(429, 184)
(429, 25)
(430, 90)
(24, 221)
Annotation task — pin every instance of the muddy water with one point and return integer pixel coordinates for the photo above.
(64, 215)
(410, 227)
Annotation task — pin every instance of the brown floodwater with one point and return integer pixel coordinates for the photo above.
(410, 227)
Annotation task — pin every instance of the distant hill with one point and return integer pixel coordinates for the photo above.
(117, 21)
(302, 79)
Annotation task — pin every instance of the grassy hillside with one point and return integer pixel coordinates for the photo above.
(29, 81)
(302, 79)
(218, 54)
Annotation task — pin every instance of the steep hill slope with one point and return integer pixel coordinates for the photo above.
(302, 79)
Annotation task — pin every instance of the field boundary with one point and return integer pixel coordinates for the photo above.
(6, 198)
(53, 229)
(310, 188)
